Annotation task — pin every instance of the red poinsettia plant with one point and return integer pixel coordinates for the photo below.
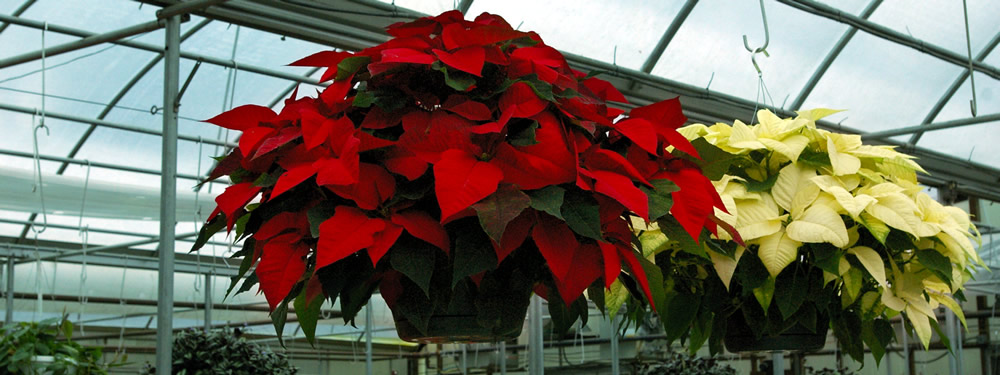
(456, 168)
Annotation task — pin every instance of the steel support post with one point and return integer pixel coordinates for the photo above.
(208, 301)
(778, 362)
(465, 361)
(168, 199)
(9, 307)
(949, 321)
(536, 360)
(503, 357)
(369, 318)
(906, 349)
(615, 357)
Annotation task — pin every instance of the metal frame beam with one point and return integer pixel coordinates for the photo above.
(964, 75)
(830, 57)
(929, 127)
(94, 164)
(138, 259)
(106, 248)
(17, 13)
(109, 124)
(82, 43)
(668, 35)
(96, 230)
(826, 11)
(159, 50)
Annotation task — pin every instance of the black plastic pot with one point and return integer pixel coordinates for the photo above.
(456, 328)
(740, 338)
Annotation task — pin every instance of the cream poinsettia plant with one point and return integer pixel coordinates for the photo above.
(833, 229)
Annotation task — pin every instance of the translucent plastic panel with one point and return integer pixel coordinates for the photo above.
(254, 47)
(882, 85)
(95, 16)
(18, 134)
(973, 142)
(710, 44)
(590, 28)
(8, 229)
(941, 22)
(431, 7)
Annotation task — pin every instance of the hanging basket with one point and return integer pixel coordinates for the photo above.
(740, 338)
(456, 328)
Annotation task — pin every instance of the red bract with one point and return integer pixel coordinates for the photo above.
(453, 119)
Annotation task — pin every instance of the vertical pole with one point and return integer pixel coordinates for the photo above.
(465, 363)
(778, 362)
(536, 364)
(957, 344)
(208, 302)
(949, 321)
(615, 369)
(168, 200)
(503, 357)
(906, 350)
(10, 292)
(369, 317)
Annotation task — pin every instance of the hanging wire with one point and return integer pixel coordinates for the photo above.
(121, 305)
(85, 237)
(38, 282)
(968, 46)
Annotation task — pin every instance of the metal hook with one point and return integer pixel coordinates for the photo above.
(37, 184)
(767, 40)
(968, 46)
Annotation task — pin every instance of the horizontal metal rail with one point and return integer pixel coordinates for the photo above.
(159, 49)
(94, 164)
(83, 43)
(109, 124)
(138, 259)
(931, 127)
(95, 230)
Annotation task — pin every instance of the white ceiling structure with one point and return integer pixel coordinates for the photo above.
(899, 68)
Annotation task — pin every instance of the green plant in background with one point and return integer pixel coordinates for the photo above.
(198, 352)
(45, 348)
(677, 363)
(835, 231)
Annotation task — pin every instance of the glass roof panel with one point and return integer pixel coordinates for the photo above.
(882, 85)
(940, 22)
(595, 29)
(709, 48)
(84, 15)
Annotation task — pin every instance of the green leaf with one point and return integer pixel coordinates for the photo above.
(869, 338)
(541, 88)
(415, 308)
(939, 264)
(714, 162)
(415, 259)
(815, 159)
(318, 214)
(499, 208)
(596, 294)
(827, 257)
(765, 294)
(457, 80)
(473, 254)
(67, 329)
(754, 186)
(582, 214)
(679, 314)
(523, 137)
(659, 197)
(308, 313)
(208, 230)
(350, 65)
(876, 227)
(548, 200)
(701, 330)
(278, 317)
(944, 337)
(562, 316)
(363, 99)
(790, 292)
(248, 283)
(675, 232)
(266, 180)
(247, 253)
